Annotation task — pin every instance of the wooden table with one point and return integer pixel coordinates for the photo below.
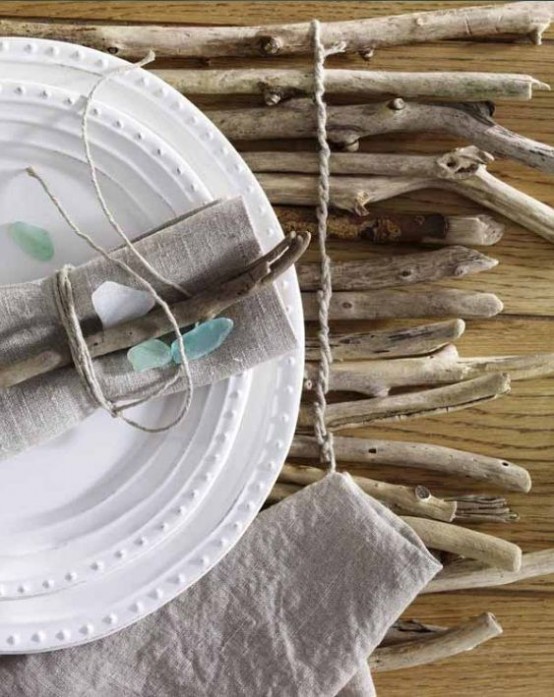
(517, 427)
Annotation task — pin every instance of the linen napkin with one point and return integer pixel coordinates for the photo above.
(194, 251)
(294, 610)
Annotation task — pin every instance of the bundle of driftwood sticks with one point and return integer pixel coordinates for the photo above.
(405, 369)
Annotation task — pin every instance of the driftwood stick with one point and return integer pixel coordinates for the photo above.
(445, 537)
(436, 647)
(275, 85)
(454, 165)
(522, 19)
(439, 400)
(401, 228)
(417, 500)
(467, 575)
(400, 303)
(408, 630)
(398, 270)
(463, 542)
(490, 191)
(367, 452)
(200, 307)
(379, 377)
(347, 124)
(389, 343)
(356, 194)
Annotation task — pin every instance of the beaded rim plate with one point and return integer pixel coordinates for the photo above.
(96, 536)
(114, 600)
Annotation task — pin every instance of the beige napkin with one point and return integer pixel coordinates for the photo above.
(294, 610)
(194, 251)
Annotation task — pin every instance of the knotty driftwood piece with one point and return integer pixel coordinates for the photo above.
(404, 304)
(415, 500)
(436, 646)
(347, 124)
(200, 307)
(430, 402)
(445, 537)
(467, 574)
(366, 452)
(398, 270)
(456, 164)
(401, 228)
(379, 377)
(464, 173)
(390, 343)
(276, 85)
(522, 19)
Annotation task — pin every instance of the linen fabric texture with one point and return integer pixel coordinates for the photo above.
(294, 610)
(195, 251)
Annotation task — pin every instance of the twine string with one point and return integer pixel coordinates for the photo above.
(323, 436)
(65, 300)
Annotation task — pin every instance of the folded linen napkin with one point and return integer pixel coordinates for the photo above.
(193, 251)
(294, 610)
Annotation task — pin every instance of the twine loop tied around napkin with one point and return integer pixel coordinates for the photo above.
(65, 301)
(323, 436)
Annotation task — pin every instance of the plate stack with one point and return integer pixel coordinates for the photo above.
(105, 524)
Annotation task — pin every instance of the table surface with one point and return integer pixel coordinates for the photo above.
(517, 427)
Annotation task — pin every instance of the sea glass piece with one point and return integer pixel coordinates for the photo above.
(203, 339)
(33, 240)
(115, 303)
(149, 354)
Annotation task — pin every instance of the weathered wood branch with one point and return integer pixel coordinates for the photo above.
(389, 343)
(467, 575)
(455, 165)
(400, 228)
(464, 542)
(398, 270)
(200, 307)
(401, 303)
(522, 19)
(436, 647)
(347, 124)
(379, 377)
(275, 85)
(356, 194)
(367, 452)
(445, 537)
(414, 500)
(430, 402)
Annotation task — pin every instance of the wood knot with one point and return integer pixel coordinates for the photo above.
(397, 104)
(422, 492)
(270, 45)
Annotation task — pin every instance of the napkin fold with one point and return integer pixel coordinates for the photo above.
(294, 610)
(195, 250)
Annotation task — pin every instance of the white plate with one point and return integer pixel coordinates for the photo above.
(226, 491)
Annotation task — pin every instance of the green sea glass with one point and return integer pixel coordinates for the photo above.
(34, 241)
(203, 339)
(152, 353)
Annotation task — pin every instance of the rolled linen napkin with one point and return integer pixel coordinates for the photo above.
(294, 610)
(194, 251)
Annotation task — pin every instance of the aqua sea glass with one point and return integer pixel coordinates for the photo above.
(203, 339)
(33, 240)
(149, 354)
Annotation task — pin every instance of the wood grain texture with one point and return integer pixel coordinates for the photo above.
(517, 427)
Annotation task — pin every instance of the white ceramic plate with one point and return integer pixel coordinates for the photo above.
(203, 498)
